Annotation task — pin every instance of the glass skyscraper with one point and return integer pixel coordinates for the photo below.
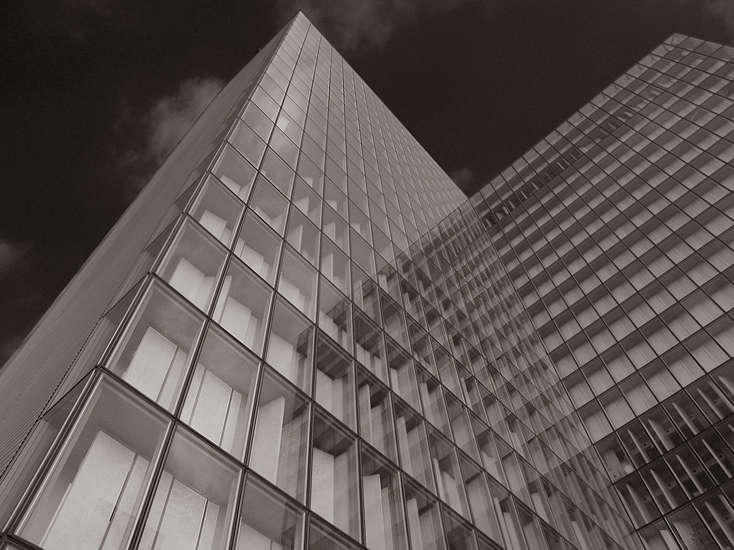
(303, 335)
(616, 231)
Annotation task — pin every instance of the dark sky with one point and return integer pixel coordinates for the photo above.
(95, 92)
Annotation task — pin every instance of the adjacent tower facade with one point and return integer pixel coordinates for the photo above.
(616, 231)
(303, 335)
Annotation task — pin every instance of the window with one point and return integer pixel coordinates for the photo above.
(91, 496)
(194, 501)
(334, 476)
(268, 520)
(221, 393)
(156, 346)
(280, 438)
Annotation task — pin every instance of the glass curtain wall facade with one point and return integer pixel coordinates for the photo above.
(321, 343)
(616, 231)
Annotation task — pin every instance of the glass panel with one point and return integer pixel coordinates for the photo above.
(615, 460)
(458, 533)
(715, 455)
(243, 305)
(509, 523)
(156, 346)
(369, 347)
(639, 502)
(413, 445)
(424, 521)
(446, 471)
(287, 124)
(460, 427)
(335, 198)
(303, 236)
(18, 477)
(361, 253)
(247, 142)
(195, 499)
(375, 415)
(365, 294)
(310, 174)
(334, 476)
(659, 537)
(307, 201)
(336, 228)
(234, 172)
(268, 520)
(447, 370)
(335, 266)
(394, 321)
(480, 500)
(530, 529)
(290, 343)
(434, 407)
(691, 530)
(334, 385)
(221, 393)
(192, 265)
(257, 120)
(258, 247)
(217, 210)
(298, 280)
(335, 315)
(109, 455)
(383, 505)
(146, 260)
(281, 434)
(485, 440)
(273, 167)
(421, 348)
(323, 537)
(402, 374)
(664, 487)
(269, 204)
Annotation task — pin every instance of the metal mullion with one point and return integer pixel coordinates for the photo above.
(237, 511)
(250, 436)
(309, 454)
(196, 349)
(152, 486)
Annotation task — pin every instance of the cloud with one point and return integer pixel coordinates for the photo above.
(723, 10)
(154, 134)
(464, 178)
(351, 25)
(368, 23)
(172, 116)
(12, 255)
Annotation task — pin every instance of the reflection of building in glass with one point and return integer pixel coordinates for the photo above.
(617, 233)
(302, 335)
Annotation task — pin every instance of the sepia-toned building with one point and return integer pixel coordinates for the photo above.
(302, 334)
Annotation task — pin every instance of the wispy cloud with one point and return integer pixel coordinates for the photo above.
(12, 254)
(172, 116)
(371, 23)
(163, 126)
(367, 23)
(723, 10)
(464, 178)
